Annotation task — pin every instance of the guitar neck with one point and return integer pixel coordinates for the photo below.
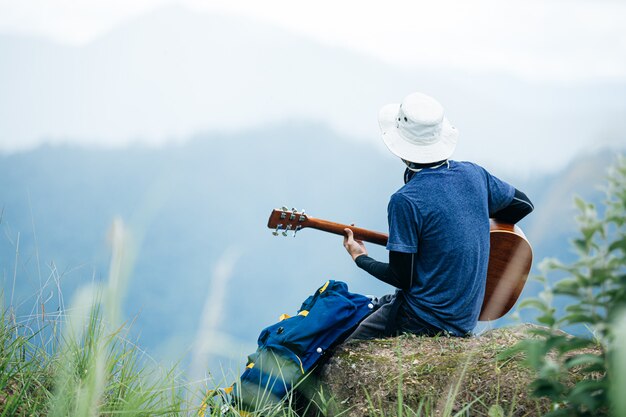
(338, 229)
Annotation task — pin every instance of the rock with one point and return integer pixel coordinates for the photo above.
(432, 374)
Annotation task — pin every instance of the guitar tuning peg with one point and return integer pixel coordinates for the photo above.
(302, 217)
(275, 232)
(296, 230)
(287, 230)
(284, 208)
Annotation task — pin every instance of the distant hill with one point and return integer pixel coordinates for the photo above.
(168, 74)
(192, 203)
(198, 202)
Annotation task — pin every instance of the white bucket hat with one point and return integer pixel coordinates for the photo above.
(417, 130)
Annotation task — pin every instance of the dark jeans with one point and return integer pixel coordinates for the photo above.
(391, 318)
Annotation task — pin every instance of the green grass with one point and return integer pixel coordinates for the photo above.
(92, 373)
(80, 362)
(24, 373)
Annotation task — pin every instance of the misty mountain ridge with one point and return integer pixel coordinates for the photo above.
(166, 75)
(196, 203)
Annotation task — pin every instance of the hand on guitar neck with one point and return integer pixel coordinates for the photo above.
(354, 247)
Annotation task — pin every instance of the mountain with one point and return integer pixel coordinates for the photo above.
(173, 72)
(189, 205)
(197, 206)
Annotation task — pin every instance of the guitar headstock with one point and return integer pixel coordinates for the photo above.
(284, 221)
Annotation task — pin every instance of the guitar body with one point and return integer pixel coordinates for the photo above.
(510, 259)
(510, 255)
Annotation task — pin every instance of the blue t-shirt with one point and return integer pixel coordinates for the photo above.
(442, 215)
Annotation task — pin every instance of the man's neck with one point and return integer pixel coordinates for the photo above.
(413, 167)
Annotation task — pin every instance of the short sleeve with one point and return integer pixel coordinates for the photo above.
(403, 221)
(500, 193)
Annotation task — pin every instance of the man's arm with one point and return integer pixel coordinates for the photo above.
(517, 209)
(398, 272)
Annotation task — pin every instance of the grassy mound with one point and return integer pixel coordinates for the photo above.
(426, 376)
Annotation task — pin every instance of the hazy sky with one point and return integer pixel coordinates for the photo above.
(565, 62)
(561, 40)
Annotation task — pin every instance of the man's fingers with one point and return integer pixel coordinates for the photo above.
(354, 247)
(346, 237)
(350, 235)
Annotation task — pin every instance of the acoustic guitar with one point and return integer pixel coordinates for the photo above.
(510, 255)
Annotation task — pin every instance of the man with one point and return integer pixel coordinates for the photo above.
(438, 228)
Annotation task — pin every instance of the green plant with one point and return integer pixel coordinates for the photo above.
(91, 369)
(594, 288)
(24, 375)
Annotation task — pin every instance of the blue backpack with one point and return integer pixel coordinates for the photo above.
(289, 349)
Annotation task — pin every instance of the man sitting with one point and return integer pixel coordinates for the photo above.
(438, 228)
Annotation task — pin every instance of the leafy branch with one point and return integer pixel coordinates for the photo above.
(595, 287)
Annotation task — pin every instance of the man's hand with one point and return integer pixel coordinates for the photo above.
(354, 247)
